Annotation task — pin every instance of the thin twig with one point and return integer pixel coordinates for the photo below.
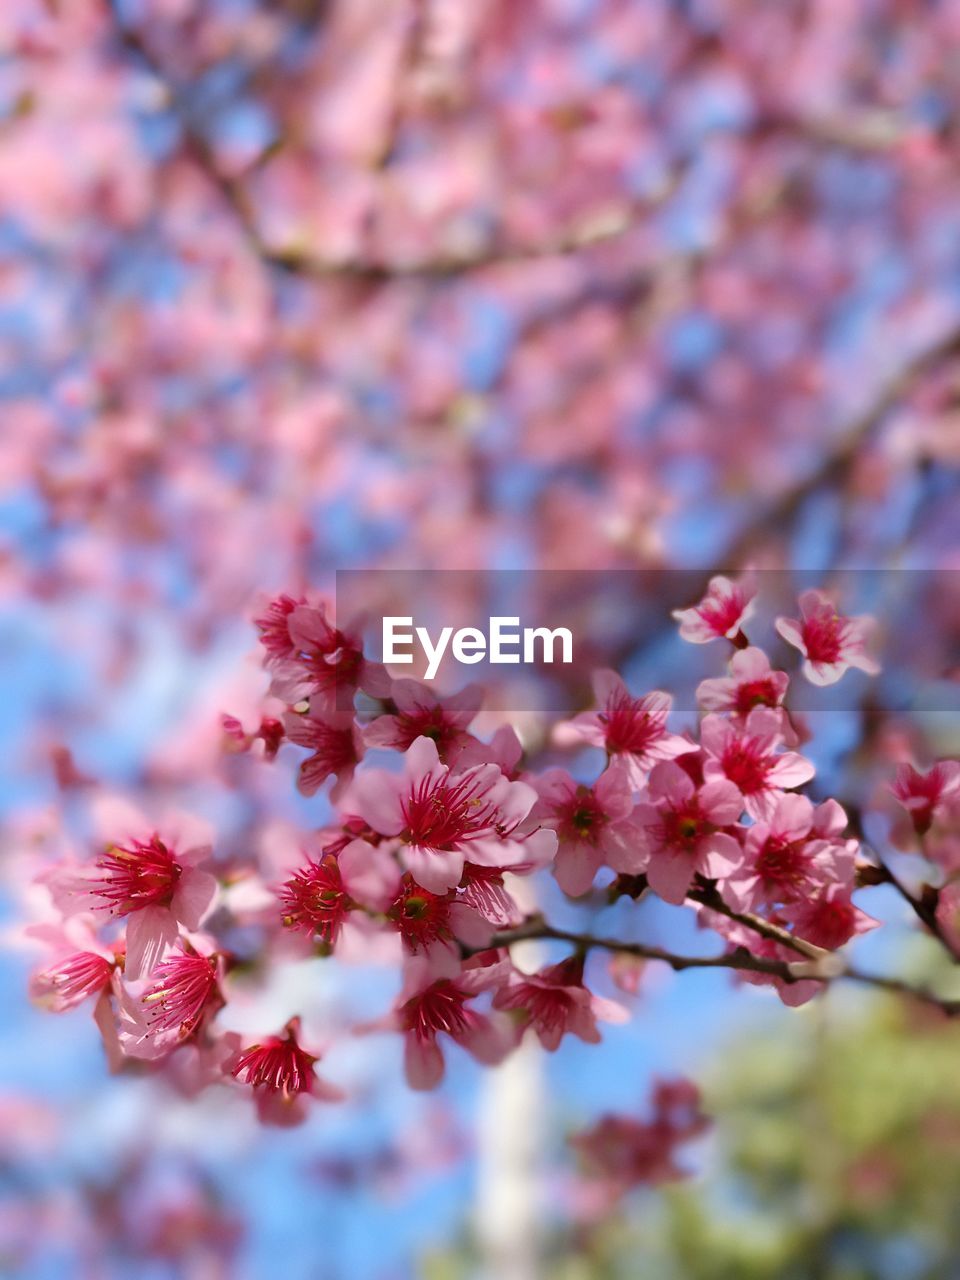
(828, 969)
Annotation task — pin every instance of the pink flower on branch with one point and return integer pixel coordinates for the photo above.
(926, 796)
(437, 1000)
(798, 850)
(830, 642)
(687, 830)
(632, 730)
(346, 876)
(720, 614)
(336, 744)
(427, 920)
(182, 993)
(751, 683)
(314, 899)
(421, 713)
(748, 755)
(82, 966)
(313, 660)
(156, 886)
(281, 1074)
(555, 1002)
(625, 1152)
(441, 820)
(593, 825)
(828, 919)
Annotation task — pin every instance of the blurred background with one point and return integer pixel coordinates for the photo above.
(303, 285)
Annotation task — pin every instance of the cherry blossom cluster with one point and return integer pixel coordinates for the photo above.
(439, 839)
(620, 1152)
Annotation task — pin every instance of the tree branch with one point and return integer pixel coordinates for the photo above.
(593, 228)
(828, 968)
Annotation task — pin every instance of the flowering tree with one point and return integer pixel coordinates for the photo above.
(418, 864)
(295, 285)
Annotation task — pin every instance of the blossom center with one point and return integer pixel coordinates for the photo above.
(682, 828)
(783, 865)
(628, 725)
(144, 875)
(823, 638)
(746, 767)
(278, 1065)
(314, 900)
(441, 814)
(182, 986)
(439, 1008)
(755, 693)
(421, 917)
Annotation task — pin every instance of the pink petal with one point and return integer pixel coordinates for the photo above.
(824, 673)
(422, 758)
(434, 869)
(669, 782)
(150, 935)
(789, 628)
(721, 802)
(422, 1062)
(575, 867)
(606, 685)
(193, 897)
(791, 770)
(670, 876)
(723, 857)
(374, 796)
(612, 789)
(370, 875)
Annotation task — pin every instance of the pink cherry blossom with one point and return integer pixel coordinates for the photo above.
(426, 920)
(686, 830)
(791, 855)
(343, 876)
(156, 887)
(633, 730)
(829, 642)
(748, 755)
(313, 660)
(752, 682)
(442, 820)
(281, 1074)
(554, 1002)
(422, 713)
(829, 918)
(81, 966)
(437, 999)
(720, 614)
(626, 1152)
(925, 796)
(336, 743)
(180, 994)
(593, 824)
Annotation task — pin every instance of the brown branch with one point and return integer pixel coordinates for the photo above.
(591, 229)
(709, 897)
(584, 233)
(827, 969)
(924, 908)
